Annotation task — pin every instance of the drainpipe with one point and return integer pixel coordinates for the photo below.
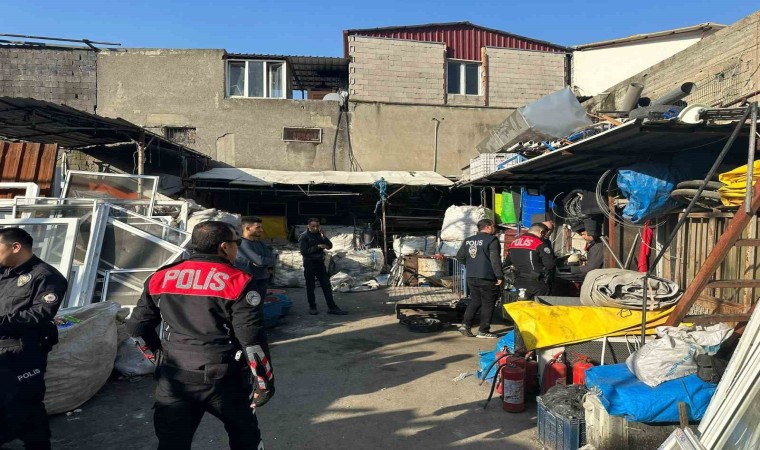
(435, 151)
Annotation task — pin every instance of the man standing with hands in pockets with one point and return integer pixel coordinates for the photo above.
(313, 244)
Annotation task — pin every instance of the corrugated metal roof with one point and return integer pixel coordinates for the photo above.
(260, 177)
(464, 39)
(643, 36)
(33, 120)
(28, 162)
(634, 141)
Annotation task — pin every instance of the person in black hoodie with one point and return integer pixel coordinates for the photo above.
(313, 244)
(481, 254)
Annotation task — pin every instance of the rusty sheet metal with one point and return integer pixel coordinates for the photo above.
(28, 162)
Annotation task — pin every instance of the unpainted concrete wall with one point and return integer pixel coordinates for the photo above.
(64, 76)
(186, 88)
(518, 77)
(396, 70)
(730, 55)
(401, 137)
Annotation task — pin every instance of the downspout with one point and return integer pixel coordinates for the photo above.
(435, 150)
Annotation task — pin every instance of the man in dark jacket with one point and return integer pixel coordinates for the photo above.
(533, 261)
(214, 355)
(481, 254)
(255, 257)
(313, 244)
(594, 251)
(31, 292)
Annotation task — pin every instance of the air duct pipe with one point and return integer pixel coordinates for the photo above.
(676, 94)
(632, 96)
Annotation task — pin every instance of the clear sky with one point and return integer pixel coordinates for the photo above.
(301, 27)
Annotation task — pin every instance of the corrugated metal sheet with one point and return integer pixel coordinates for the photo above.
(463, 39)
(27, 161)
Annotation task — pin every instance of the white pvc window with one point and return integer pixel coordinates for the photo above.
(127, 247)
(256, 79)
(151, 225)
(463, 77)
(137, 191)
(54, 240)
(29, 190)
(124, 286)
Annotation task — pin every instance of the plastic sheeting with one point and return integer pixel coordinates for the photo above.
(647, 186)
(543, 326)
(414, 245)
(622, 394)
(620, 288)
(289, 269)
(735, 190)
(461, 222)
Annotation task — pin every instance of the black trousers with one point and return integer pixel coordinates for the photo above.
(22, 390)
(314, 270)
(532, 287)
(180, 406)
(483, 296)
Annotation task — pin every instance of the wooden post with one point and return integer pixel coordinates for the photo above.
(141, 155)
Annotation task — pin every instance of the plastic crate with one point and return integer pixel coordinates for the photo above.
(486, 163)
(559, 433)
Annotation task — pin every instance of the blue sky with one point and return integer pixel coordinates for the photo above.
(315, 28)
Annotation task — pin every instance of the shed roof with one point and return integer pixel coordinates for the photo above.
(309, 72)
(644, 36)
(261, 177)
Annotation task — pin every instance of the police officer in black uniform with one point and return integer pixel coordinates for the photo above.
(214, 355)
(533, 261)
(30, 295)
(481, 254)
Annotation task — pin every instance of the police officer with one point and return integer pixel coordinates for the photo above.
(213, 347)
(533, 260)
(481, 254)
(30, 295)
(313, 244)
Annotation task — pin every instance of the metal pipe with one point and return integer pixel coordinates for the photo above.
(58, 39)
(607, 244)
(676, 94)
(751, 158)
(632, 95)
(684, 216)
(435, 151)
(644, 101)
(629, 258)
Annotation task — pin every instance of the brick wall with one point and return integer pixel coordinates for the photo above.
(723, 65)
(517, 77)
(394, 70)
(64, 76)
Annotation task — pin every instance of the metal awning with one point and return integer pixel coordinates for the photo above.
(635, 141)
(27, 119)
(260, 177)
(308, 72)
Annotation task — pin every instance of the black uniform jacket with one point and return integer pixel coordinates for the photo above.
(309, 245)
(30, 296)
(481, 254)
(530, 255)
(210, 311)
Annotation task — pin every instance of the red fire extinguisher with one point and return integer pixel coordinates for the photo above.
(531, 375)
(502, 356)
(513, 381)
(555, 372)
(579, 369)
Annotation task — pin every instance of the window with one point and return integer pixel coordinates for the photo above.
(256, 79)
(291, 134)
(180, 135)
(463, 78)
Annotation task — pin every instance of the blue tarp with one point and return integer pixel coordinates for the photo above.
(486, 358)
(647, 186)
(622, 394)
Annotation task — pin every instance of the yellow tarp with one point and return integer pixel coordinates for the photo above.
(543, 326)
(275, 227)
(733, 193)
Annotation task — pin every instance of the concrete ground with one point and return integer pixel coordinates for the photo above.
(360, 381)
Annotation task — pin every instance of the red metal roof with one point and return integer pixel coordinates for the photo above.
(463, 39)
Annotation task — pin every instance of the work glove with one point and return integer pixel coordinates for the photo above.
(262, 377)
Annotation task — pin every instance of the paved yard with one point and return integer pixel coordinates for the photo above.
(360, 381)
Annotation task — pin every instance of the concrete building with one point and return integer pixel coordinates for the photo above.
(600, 65)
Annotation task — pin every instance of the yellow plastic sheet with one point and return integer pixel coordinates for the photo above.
(733, 193)
(275, 227)
(543, 326)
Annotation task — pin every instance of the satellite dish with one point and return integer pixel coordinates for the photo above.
(691, 113)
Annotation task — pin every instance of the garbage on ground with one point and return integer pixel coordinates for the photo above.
(620, 288)
(674, 354)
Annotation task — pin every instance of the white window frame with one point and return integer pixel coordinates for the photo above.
(67, 252)
(264, 66)
(109, 273)
(178, 251)
(462, 79)
(147, 202)
(32, 190)
(152, 220)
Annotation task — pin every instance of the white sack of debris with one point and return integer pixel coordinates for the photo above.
(449, 248)
(461, 222)
(362, 265)
(414, 245)
(341, 237)
(289, 269)
(80, 364)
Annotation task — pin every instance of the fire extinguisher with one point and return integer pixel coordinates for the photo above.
(555, 372)
(513, 380)
(580, 366)
(501, 355)
(531, 374)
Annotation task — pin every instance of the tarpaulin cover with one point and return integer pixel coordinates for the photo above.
(733, 193)
(486, 358)
(543, 326)
(621, 288)
(647, 186)
(622, 394)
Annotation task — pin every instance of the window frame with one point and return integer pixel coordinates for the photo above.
(265, 74)
(462, 63)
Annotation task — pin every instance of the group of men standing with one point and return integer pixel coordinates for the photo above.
(530, 257)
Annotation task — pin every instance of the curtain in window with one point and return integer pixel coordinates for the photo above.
(237, 79)
(256, 78)
(275, 80)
